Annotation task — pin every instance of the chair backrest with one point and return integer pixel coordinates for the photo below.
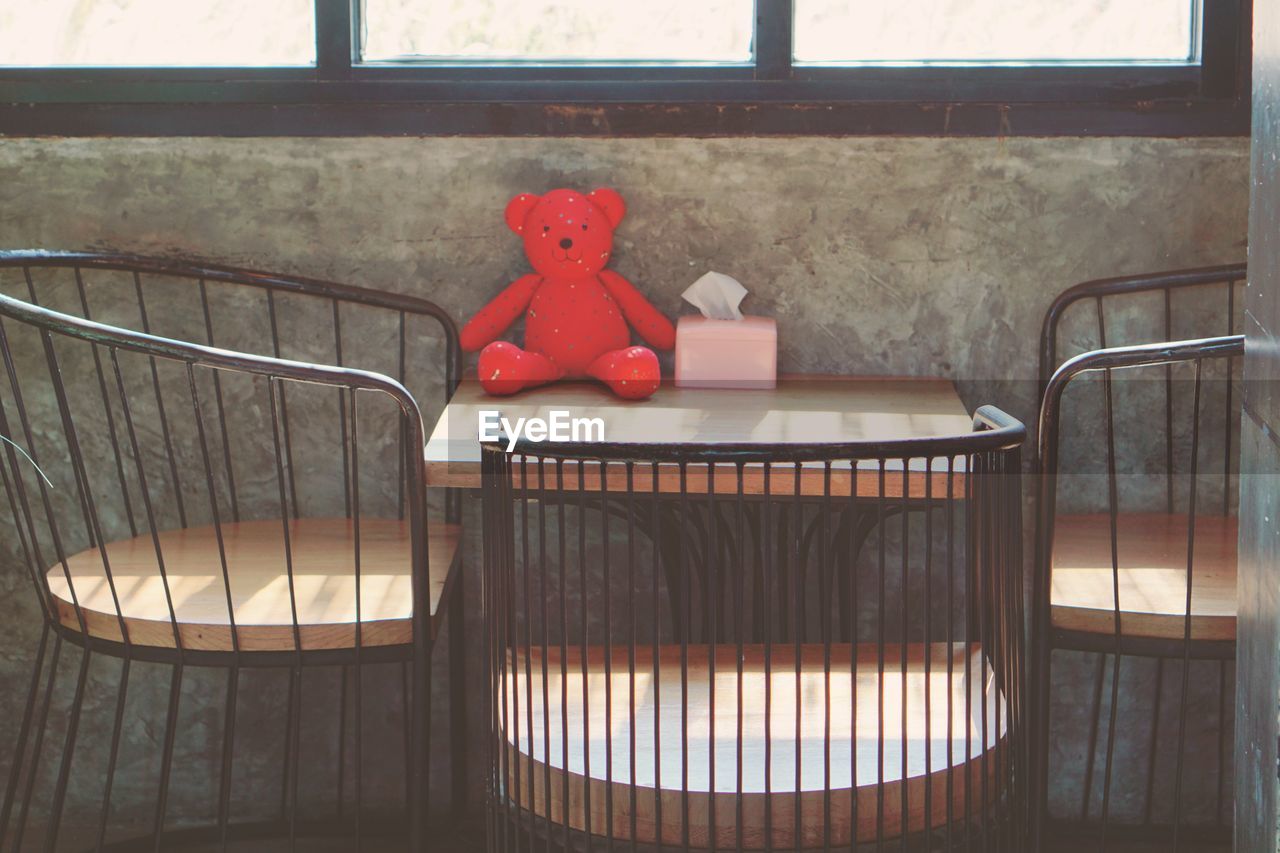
(660, 564)
(304, 319)
(1205, 306)
(111, 433)
(1187, 304)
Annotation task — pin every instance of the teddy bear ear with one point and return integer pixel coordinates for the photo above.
(610, 203)
(518, 210)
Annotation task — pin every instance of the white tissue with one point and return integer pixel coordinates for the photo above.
(717, 296)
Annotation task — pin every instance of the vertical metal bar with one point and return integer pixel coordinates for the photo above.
(687, 617)
(404, 437)
(198, 415)
(1222, 742)
(228, 748)
(797, 595)
(853, 547)
(1152, 743)
(655, 513)
(973, 473)
(951, 639)
(289, 780)
(106, 407)
(166, 755)
(68, 751)
(222, 413)
(905, 629)
(342, 409)
(740, 586)
(825, 585)
(1186, 622)
(1095, 721)
(117, 724)
(458, 738)
(359, 645)
(881, 578)
(769, 574)
(24, 731)
(544, 571)
(37, 747)
(628, 498)
(607, 586)
(164, 421)
(1168, 402)
(711, 633)
(1113, 511)
(284, 406)
(928, 645)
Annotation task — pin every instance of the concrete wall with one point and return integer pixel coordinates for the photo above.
(881, 256)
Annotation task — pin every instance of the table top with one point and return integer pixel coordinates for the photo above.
(801, 410)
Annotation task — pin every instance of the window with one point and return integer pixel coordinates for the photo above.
(68, 33)
(995, 31)
(972, 67)
(557, 30)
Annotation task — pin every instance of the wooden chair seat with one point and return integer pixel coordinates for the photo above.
(598, 726)
(1152, 550)
(322, 553)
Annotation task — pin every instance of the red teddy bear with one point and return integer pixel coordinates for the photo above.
(578, 311)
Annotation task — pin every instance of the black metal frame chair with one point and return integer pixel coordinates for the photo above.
(91, 598)
(1141, 628)
(600, 676)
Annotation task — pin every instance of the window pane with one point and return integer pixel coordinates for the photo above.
(552, 30)
(157, 32)
(994, 30)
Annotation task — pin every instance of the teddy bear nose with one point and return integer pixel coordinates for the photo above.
(566, 243)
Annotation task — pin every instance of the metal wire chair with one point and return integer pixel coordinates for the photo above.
(793, 694)
(152, 535)
(1123, 583)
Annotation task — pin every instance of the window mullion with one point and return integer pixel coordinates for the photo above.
(334, 27)
(773, 39)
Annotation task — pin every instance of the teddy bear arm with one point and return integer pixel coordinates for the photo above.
(499, 313)
(648, 321)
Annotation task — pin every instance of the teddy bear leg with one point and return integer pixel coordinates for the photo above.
(632, 373)
(504, 369)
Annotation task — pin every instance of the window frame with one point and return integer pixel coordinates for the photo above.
(340, 96)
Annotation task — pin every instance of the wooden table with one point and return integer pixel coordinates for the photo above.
(801, 410)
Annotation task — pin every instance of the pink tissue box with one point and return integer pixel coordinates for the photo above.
(726, 353)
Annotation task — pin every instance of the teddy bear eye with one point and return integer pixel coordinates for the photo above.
(546, 227)
(584, 226)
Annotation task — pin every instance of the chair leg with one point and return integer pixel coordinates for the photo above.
(68, 752)
(36, 748)
(1111, 750)
(166, 759)
(1153, 744)
(117, 726)
(458, 698)
(1095, 718)
(228, 746)
(419, 757)
(24, 731)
